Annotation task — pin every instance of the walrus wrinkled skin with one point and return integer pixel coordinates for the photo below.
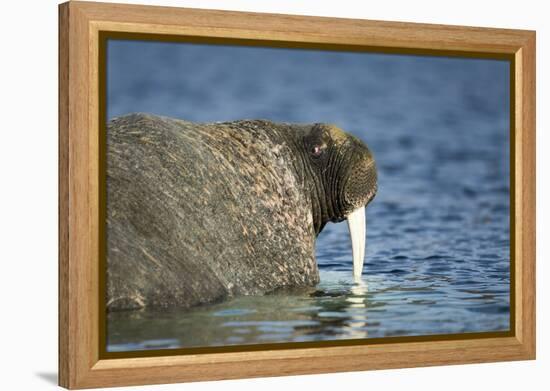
(199, 212)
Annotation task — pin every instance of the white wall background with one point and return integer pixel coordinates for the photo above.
(28, 194)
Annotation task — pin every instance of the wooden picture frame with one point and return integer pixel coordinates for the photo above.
(81, 25)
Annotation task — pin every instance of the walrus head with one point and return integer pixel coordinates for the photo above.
(343, 182)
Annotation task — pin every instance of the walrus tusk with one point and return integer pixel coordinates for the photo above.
(357, 229)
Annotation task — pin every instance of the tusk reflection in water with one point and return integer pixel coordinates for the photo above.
(357, 310)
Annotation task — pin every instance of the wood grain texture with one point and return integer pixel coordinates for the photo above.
(527, 284)
(80, 23)
(63, 178)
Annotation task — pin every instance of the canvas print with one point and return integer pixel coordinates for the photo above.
(261, 195)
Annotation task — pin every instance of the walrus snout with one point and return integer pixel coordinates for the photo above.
(360, 189)
(362, 183)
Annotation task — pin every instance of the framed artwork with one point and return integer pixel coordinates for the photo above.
(218, 171)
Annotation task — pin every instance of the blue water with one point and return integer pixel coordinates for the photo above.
(438, 248)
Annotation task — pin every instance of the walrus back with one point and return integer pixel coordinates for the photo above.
(200, 212)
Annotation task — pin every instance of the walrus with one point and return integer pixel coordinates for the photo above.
(200, 212)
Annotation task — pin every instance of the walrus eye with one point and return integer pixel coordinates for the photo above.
(316, 150)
